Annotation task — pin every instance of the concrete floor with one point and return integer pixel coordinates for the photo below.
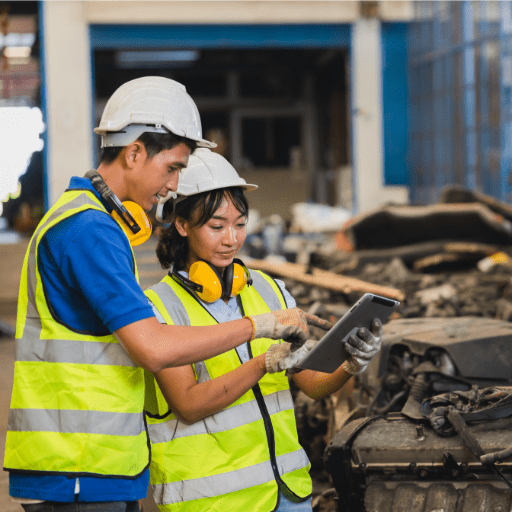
(11, 262)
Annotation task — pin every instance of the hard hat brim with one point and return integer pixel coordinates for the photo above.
(132, 132)
(176, 197)
(246, 186)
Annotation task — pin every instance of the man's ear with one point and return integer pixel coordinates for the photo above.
(134, 154)
(182, 226)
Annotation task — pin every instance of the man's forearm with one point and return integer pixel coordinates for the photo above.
(155, 346)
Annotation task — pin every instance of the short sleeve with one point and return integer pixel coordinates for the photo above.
(94, 269)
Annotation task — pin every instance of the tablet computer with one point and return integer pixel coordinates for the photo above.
(329, 353)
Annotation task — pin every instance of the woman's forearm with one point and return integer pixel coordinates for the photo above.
(207, 398)
(318, 385)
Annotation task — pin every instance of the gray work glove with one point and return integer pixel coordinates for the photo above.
(290, 325)
(281, 356)
(362, 346)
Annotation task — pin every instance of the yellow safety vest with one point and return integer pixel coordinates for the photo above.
(77, 400)
(239, 458)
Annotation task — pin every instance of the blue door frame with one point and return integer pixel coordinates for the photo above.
(224, 36)
(283, 36)
(44, 110)
(256, 36)
(395, 102)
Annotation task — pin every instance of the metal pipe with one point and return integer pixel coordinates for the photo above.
(489, 458)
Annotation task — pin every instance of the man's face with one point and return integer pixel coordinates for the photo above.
(153, 178)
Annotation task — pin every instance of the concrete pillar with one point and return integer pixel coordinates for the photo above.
(367, 121)
(68, 94)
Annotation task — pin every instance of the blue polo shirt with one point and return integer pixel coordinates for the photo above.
(86, 266)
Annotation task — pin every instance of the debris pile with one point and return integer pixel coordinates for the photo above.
(450, 259)
(442, 260)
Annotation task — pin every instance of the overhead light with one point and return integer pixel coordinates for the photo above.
(17, 55)
(17, 52)
(154, 58)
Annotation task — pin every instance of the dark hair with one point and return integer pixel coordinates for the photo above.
(154, 144)
(172, 248)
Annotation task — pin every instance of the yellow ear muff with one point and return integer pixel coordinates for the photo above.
(203, 274)
(141, 218)
(239, 279)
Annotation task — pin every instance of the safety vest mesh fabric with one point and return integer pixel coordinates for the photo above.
(223, 462)
(77, 399)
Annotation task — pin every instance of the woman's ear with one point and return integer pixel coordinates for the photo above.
(181, 226)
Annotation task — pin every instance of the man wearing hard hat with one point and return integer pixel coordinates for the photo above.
(85, 332)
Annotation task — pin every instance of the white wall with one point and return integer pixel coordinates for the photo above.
(68, 93)
(248, 11)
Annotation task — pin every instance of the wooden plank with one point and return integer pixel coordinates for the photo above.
(323, 278)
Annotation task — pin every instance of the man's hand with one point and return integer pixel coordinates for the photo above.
(362, 346)
(281, 357)
(288, 324)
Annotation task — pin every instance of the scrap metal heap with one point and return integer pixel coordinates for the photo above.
(415, 430)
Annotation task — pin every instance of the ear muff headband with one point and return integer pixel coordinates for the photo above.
(126, 214)
(227, 287)
(209, 285)
(241, 277)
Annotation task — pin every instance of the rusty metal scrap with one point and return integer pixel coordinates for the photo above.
(395, 226)
(433, 268)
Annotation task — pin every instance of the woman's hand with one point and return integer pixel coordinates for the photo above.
(362, 346)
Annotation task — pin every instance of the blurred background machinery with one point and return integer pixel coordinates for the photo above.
(351, 104)
(295, 93)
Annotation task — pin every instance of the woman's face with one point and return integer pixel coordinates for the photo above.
(217, 241)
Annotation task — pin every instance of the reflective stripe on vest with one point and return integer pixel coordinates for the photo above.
(77, 398)
(194, 466)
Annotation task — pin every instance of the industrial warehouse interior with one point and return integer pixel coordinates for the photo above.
(379, 135)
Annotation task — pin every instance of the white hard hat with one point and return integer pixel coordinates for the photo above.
(205, 171)
(150, 104)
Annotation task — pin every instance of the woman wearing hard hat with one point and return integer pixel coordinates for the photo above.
(223, 430)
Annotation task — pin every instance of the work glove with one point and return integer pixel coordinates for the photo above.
(362, 346)
(281, 356)
(290, 325)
